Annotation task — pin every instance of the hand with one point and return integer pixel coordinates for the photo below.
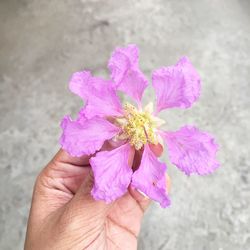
(65, 216)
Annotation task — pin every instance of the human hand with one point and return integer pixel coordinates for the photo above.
(65, 216)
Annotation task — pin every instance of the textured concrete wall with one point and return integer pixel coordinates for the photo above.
(43, 42)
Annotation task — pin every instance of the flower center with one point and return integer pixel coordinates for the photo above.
(138, 126)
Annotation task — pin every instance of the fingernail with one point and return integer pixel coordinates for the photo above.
(145, 196)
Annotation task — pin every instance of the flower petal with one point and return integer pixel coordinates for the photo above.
(192, 150)
(85, 137)
(150, 178)
(79, 83)
(81, 118)
(176, 86)
(121, 60)
(133, 84)
(112, 173)
(100, 95)
(125, 71)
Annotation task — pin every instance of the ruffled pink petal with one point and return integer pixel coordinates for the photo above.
(192, 150)
(150, 178)
(79, 83)
(112, 173)
(121, 60)
(85, 137)
(100, 95)
(125, 72)
(133, 84)
(81, 118)
(176, 86)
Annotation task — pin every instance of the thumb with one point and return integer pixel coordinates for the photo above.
(85, 209)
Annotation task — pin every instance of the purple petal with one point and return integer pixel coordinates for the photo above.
(192, 150)
(125, 72)
(121, 60)
(150, 178)
(79, 83)
(81, 118)
(85, 137)
(99, 94)
(133, 84)
(112, 173)
(176, 86)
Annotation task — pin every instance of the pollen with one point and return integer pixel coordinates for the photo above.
(137, 126)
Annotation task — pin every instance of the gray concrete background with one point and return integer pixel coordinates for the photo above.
(43, 42)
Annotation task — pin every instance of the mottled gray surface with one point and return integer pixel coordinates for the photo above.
(43, 42)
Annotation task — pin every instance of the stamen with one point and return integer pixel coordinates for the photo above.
(137, 126)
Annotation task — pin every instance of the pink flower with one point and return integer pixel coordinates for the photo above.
(104, 118)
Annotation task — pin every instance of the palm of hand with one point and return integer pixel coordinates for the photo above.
(65, 216)
(121, 226)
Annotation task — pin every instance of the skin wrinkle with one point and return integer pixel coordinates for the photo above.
(66, 185)
(47, 192)
(53, 186)
(78, 165)
(72, 177)
(94, 240)
(124, 232)
(109, 225)
(79, 213)
(80, 239)
(122, 208)
(85, 238)
(121, 226)
(138, 203)
(49, 176)
(60, 180)
(142, 210)
(117, 247)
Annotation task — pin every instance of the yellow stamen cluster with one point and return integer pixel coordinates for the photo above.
(137, 126)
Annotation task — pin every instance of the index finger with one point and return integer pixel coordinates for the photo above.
(64, 157)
